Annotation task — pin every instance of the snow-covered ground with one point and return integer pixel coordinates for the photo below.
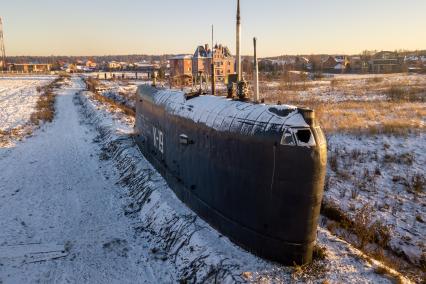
(18, 96)
(382, 170)
(121, 91)
(80, 204)
(346, 87)
(54, 191)
(387, 173)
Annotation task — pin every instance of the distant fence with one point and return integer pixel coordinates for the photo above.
(18, 73)
(121, 75)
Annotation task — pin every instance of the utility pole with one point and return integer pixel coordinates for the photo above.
(2, 49)
(256, 72)
(213, 71)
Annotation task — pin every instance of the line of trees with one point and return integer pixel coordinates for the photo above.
(107, 58)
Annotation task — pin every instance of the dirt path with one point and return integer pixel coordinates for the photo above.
(61, 219)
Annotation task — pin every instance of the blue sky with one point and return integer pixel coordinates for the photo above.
(100, 27)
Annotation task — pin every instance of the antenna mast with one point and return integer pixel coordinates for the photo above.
(2, 49)
(242, 86)
(213, 71)
(238, 54)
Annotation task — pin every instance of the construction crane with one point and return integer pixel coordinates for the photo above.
(2, 49)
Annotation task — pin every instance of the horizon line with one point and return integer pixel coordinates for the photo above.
(173, 54)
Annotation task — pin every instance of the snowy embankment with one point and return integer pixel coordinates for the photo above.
(185, 245)
(387, 174)
(18, 97)
(121, 91)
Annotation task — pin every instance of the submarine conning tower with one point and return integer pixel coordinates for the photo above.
(255, 172)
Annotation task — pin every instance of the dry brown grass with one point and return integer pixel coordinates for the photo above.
(113, 105)
(374, 80)
(383, 270)
(398, 106)
(14, 134)
(129, 96)
(370, 117)
(361, 225)
(417, 184)
(319, 253)
(45, 107)
(310, 272)
(371, 237)
(400, 93)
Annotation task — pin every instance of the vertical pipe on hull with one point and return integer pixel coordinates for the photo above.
(238, 54)
(256, 72)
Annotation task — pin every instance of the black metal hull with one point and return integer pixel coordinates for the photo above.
(263, 195)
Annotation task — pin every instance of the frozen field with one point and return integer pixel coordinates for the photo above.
(18, 96)
(344, 87)
(80, 204)
(384, 176)
(375, 126)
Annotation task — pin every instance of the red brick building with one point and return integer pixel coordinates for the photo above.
(181, 65)
(224, 61)
(181, 70)
(185, 66)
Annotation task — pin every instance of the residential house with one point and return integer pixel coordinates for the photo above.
(124, 65)
(358, 64)
(185, 66)
(113, 65)
(302, 63)
(336, 64)
(145, 66)
(181, 70)
(415, 63)
(224, 62)
(91, 64)
(385, 62)
(181, 65)
(201, 61)
(30, 67)
(69, 68)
